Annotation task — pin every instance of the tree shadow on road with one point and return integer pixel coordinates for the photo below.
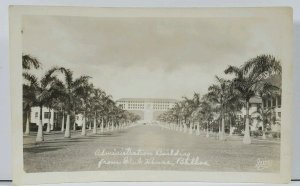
(40, 149)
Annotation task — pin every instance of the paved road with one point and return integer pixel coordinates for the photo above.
(148, 147)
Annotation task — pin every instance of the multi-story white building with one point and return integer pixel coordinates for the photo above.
(147, 108)
(48, 116)
(51, 116)
(271, 104)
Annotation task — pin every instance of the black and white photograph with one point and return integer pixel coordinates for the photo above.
(170, 92)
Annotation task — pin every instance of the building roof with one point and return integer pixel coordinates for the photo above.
(255, 99)
(147, 100)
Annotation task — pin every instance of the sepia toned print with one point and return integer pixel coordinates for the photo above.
(202, 94)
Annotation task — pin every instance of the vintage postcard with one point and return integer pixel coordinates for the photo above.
(151, 94)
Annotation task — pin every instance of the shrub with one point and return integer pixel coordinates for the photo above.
(276, 134)
(256, 133)
(33, 127)
(273, 134)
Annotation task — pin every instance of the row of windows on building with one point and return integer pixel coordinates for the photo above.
(142, 102)
(132, 102)
(136, 107)
(47, 115)
(160, 107)
(132, 106)
(160, 102)
(275, 115)
(142, 106)
(272, 102)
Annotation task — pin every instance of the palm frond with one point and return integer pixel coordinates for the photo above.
(263, 63)
(29, 61)
(233, 70)
(31, 79)
(80, 82)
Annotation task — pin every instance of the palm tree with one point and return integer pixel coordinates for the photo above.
(233, 106)
(248, 80)
(97, 106)
(71, 88)
(265, 90)
(110, 114)
(28, 102)
(191, 105)
(197, 116)
(263, 115)
(175, 112)
(206, 112)
(43, 92)
(185, 113)
(28, 92)
(58, 104)
(119, 113)
(233, 109)
(77, 103)
(107, 107)
(220, 95)
(85, 93)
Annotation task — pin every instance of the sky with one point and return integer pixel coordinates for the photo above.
(149, 57)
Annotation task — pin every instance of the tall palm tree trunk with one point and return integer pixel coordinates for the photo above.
(112, 125)
(48, 124)
(102, 125)
(107, 125)
(27, 128)
(207, 129)
(184, 126)
(63, 122)
(219, 125)
(198, 129)
(181, 126)
(191, 128)
(263, 131)
(40, 136)
(247, 139)
(95, 124)
(222, 133)
(230, 126)
(74, 124)
(83, 129)
(90, 124)
(68, 132)
(263, 122)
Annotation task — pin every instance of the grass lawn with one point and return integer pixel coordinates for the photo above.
(199, 153)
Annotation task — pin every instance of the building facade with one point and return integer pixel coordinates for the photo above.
(53, 117)
(147, 108)
(48, 116)
(271, 105)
